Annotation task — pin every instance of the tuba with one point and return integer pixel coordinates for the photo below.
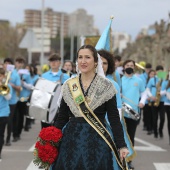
(4, 89)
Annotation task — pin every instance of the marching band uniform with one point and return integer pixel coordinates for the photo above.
(49, 75)
(116, 77)
(156, 110)
(4, 113)
(164, 92)
(22, 108)
(14, 79)
(132, 87)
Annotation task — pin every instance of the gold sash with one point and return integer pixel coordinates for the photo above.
(91, 118)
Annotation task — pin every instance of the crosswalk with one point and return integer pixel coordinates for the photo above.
(162, 166)
(146, 146)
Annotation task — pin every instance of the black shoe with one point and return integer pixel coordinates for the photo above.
(15, 139)
(161, 134)
(131, 167)
(8, 143)
(26, 129)
(155, 136)
(149, 133)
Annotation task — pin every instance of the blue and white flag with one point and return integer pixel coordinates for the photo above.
(105, 38)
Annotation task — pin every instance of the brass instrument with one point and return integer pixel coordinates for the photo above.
(139, 66)
(4, 89)
(158, 95)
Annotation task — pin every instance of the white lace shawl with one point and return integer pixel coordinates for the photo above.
(101, 90)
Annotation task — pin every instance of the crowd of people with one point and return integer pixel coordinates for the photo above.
(106, 83)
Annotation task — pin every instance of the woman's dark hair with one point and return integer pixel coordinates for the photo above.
(109, 57)
(118, 58)
(128, 61)
(34, 69)
(92, 49)
(148, 75)
(68, 61)
(30, 69)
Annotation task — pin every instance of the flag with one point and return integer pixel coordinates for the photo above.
(105, 39)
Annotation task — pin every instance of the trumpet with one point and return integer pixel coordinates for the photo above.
(4, 89)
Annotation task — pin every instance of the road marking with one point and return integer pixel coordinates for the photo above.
(14, 150)
(32, 148)
(162, 166)
(148, 147)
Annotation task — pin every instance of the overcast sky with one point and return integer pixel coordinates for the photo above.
(130, 15)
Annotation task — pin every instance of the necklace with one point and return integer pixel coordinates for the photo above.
(86, 88)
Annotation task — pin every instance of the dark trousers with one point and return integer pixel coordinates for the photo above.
(131, 128)
(167, 109)
(148, 117)
(158, 111)
(20, 111)
(10, 122)
(3, 122)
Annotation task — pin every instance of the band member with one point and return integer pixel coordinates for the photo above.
(165, 91)
(16, 86)
(132, 89)
(87, 149)
(147, 110)
(5, 95)
(22, 108)
(157, 102)
(144, 75)
(68, 67)
(118, 64)
(55, 74)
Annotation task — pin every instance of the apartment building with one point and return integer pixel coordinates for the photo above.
(52, 20)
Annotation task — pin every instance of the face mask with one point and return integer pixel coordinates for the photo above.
(129, 70)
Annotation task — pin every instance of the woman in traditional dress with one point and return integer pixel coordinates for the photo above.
(85, 101)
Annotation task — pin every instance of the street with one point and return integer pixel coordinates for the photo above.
(151, 154)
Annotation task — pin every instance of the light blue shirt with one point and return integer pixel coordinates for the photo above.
(118, 97)
(116, 77)
(49, 76)
(4, 105)
(144, 77)
(14, 79)
(34, 79)
(152, 86)
(163, 87)
(132, 87)
(25, 92)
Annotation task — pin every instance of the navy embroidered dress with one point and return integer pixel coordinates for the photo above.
(81, 147)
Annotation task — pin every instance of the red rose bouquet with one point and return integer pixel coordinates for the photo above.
(46, 147)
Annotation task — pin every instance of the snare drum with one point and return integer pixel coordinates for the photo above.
(132, 113)
(41, 98)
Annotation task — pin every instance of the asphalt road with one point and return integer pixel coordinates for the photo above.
(151, 154)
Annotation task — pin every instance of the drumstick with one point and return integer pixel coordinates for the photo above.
(130, 101)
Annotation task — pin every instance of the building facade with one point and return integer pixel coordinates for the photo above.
(52, 20)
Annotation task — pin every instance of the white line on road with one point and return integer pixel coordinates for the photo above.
(32, 148)
(148, 147)
(162, 166)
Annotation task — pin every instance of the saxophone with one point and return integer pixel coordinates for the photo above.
(158, 95)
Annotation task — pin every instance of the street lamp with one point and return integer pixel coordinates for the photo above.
(42, 34)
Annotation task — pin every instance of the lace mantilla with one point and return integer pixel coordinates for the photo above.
(101, 91)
